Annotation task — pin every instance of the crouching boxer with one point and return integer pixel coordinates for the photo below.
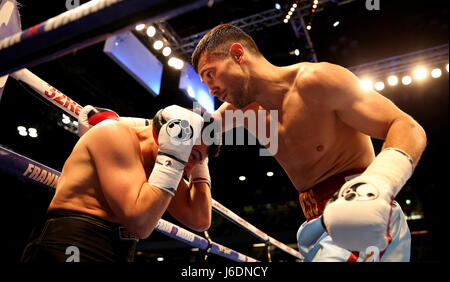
(117, 183)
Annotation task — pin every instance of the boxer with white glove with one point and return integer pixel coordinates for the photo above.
(359, 214)
(180, 130)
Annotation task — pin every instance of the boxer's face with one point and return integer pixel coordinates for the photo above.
(225, 78)
(198, 154)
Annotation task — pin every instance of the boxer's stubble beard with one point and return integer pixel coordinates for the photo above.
(241, 96)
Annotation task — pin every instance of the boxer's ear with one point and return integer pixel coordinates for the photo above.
(237, 52)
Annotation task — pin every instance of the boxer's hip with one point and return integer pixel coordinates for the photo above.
(314, 199)
(90, 238)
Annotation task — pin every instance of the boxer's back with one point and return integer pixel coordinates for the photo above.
(78, 187)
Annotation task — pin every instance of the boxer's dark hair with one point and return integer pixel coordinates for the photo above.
(219, 39)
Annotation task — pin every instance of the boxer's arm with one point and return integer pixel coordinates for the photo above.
(192, 206)
(116, 155)
(366, 110)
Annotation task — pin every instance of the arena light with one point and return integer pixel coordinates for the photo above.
(242, 178)
(406, 80)
(269, 173)
(288, 17)
(379, 86)
(308, 27)
(277, 6)
(158, 44)
(160, 259)
(435, 73)
(65, 119)
(285, 20)
(420, 73)
(366, 84)
(32, 132)
(336, 23)
(166, 51)
(392, 80)
(22, 130)
(176, 63)
(294, 5)
(140, 27)
(297, 52)
(151, 31)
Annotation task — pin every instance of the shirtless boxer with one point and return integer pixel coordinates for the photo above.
(325, 121)
(117, 183)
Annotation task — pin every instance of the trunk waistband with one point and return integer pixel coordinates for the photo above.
(313, 200)
(116, 229)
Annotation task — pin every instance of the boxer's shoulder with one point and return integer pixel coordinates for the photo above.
(110, 135)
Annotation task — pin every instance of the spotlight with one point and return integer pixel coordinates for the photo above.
(308, 27)
(294, 5)
(22, 130)
(166, 51)
(292, 9)
(336, 23)
(140, 27)
(446, 67)
(392, 80)
(176, 63)
(379, 86)
(436, 73)
(151, 31)
(297, 52)
(366, 84)
(158, 44)
(242, 178)
(269, 174)
(65, 119)
(285, 20)
(277, 6)
(32, 132)
(288, 17)
(420, 73)
(406, 80)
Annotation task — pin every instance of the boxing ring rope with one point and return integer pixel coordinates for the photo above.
(37, 173)
(83, 26)
(75, 29)
(69, 106)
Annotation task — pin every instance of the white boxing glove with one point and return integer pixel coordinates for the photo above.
(177, 130)
(359, 214)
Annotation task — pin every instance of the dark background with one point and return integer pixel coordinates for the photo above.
(88, 76)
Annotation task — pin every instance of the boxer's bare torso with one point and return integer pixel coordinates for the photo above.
(79, 187)
(313, 142)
